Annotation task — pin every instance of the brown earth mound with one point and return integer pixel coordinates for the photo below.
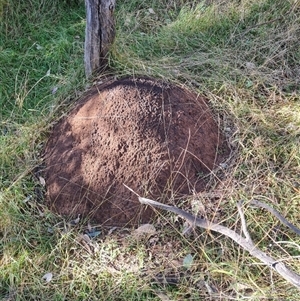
(156, 138)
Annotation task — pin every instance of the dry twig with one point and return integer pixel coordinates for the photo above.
(245, 243)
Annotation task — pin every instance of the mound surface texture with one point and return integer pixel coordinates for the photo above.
(157, 138)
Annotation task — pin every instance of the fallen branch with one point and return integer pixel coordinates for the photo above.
(276, 214)
(245, 243)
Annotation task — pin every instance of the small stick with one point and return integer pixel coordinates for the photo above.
(247, 244)
(243, 221)
(276, 214)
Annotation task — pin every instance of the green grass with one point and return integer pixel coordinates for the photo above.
(243, 55)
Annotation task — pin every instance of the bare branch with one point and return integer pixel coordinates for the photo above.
(278, 266)
(243, 221)
(276, 214)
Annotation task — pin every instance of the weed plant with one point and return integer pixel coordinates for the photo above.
(244, 56)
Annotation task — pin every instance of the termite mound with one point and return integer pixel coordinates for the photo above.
(157, 138)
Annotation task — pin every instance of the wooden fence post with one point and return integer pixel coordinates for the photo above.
(99, 34)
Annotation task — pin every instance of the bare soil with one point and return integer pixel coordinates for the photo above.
(159, 139)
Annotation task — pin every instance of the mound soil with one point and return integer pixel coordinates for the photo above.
(159, 139)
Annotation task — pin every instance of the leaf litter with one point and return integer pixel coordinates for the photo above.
(47, 277)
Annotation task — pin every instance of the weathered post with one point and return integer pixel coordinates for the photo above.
(99, 34)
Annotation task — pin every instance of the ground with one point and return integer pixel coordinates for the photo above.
(157, 138)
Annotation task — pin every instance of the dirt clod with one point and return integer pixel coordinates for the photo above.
(157, 138)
